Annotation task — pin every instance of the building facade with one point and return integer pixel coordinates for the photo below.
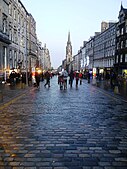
(121, 43)
(104, 50)
(32, 45)
(4, 40)
(19, 48)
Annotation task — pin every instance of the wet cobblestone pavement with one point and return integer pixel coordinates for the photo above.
(49, 128)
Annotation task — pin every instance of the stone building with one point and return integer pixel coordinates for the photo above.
(32, 45)
(46, 62)
(17, 35)
(104, 50)
(121, 43)
(19, 48)
(4, 39)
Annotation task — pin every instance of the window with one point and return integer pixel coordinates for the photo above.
(117, 33)
(126, 28)
(125, 57)
(117, 59)
(14, 13)
(4, 57)
(18, 18)
(121, 58)
(10, 33)
(15, 36)
(10, 61)
(10, 9)
(15, 59)
(4, 23)
(121, 44)
(122, 31)
(117, 45)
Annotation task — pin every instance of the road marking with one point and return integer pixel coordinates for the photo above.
(11, 101)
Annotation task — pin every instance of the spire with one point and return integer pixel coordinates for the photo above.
(121, 5)
(69, 37)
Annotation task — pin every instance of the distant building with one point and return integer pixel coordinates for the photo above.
(106, 25)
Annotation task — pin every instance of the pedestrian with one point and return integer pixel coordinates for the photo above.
(37, 78)
(77, 78)
(23, 76)
(47, 77)
(12, 78)
(30, 79)
(80, 77)
(65, 75)
(42, 77)
(71, 75)
(88, 77)
(60, 80)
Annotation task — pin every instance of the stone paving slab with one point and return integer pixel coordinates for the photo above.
(8, 93)
(50, 128)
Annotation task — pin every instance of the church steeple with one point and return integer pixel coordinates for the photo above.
(69, 37)
(68, 50)
(121, 5)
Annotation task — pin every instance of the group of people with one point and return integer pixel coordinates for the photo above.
(46, 76)
(62, 78)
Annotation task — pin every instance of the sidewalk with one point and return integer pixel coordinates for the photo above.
(7, 92)
(120, 92)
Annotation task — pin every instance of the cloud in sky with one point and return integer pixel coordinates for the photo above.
(54, 18)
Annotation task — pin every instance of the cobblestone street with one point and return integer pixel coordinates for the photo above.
(49, 128)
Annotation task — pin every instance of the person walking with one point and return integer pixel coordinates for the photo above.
(65, 75)
(80, 77)
(12, 78)
(77, 78)
(23, 77)
(71, 75)
(47, 77)
(37, 78)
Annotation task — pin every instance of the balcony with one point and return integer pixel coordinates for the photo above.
(4, 38)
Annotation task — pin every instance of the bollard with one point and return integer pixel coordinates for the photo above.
(1, 96)
(116, 90)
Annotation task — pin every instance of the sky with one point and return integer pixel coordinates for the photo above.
(55, 18)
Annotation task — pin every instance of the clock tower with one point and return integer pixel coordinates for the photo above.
(68, 50)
